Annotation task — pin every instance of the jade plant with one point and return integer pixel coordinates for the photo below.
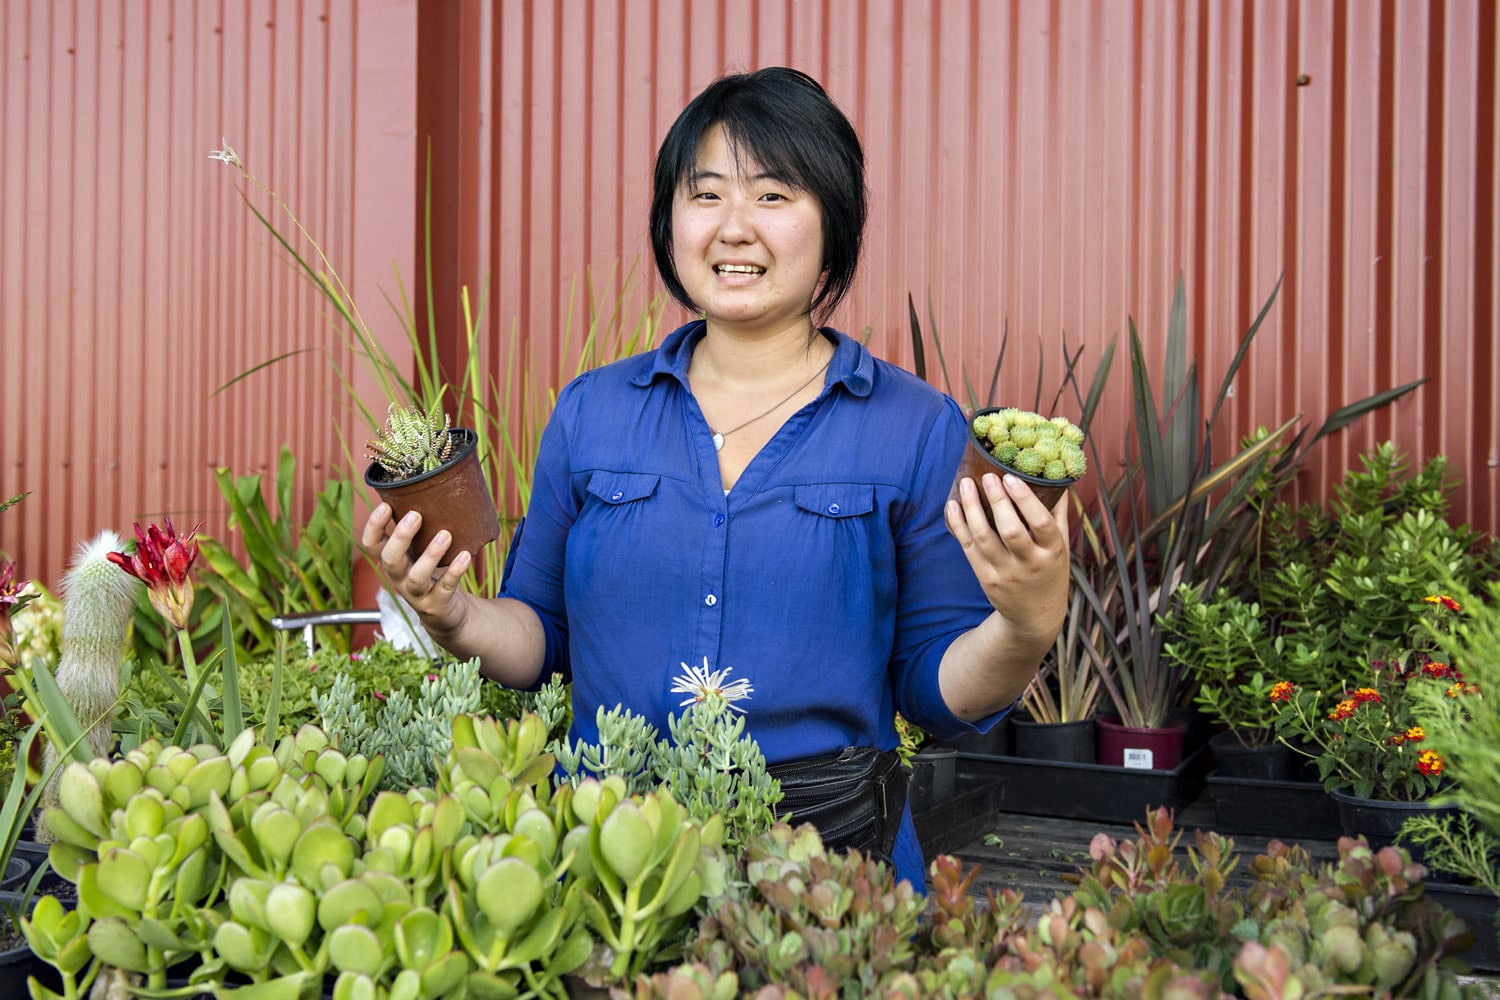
(1031, 443)
(413, 440)
(273, 868)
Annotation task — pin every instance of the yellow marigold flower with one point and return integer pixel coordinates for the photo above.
(1444, 600)
(1342, 710)
(1416, 734)
(1281, 691)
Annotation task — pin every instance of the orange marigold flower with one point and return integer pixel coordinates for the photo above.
(1439, 670)
(1362, 695)
(1395, 741)
(1282, 691)
(1342, 710)
(1431, 763)
(1416, 734)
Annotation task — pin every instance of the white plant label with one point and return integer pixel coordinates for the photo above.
(1138, 758)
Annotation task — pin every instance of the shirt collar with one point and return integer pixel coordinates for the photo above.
(852, 363)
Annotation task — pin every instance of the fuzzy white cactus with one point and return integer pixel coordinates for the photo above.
(96, 609)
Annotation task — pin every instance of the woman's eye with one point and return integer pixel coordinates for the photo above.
(773, 196)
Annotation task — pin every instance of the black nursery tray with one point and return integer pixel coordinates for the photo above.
(1097, 792)
(1287, 810)
(1476, 907)
(947, 826)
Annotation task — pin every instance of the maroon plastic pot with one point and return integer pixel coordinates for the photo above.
(977, 460)
(1134, 747)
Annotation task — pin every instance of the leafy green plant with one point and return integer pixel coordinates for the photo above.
(1234, 662)
(1368, 740)
(1174, 516)
(1344, 585)
(1466, 732)
(289, 567)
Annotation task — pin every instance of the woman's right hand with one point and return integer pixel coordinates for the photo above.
(428, 588)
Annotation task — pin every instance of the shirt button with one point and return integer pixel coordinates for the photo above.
(833, 508)
(718, 520)
(617, 494)
(710, 600)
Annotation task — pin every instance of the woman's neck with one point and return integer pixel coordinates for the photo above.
(732, 358)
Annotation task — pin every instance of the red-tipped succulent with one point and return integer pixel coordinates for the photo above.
(162, 560)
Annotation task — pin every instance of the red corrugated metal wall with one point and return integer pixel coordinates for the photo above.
(134, 281)
(1041, 166)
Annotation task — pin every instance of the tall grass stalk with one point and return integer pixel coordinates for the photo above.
(507, 410)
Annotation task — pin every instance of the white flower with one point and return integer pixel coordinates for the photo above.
(227, 155)
(699, 683)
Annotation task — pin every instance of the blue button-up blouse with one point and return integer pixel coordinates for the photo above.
(826, 578)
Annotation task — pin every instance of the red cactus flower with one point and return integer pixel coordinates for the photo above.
(162, 560)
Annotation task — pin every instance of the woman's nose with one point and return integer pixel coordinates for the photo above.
(735, 225)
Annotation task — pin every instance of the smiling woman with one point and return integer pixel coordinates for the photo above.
(779, 508)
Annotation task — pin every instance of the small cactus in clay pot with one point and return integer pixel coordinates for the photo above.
(1046, 453)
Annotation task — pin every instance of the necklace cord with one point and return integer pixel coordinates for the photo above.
(719, 436)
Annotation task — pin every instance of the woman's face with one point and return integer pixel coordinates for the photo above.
(748, 247)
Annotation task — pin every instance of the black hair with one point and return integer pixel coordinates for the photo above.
(783, 120)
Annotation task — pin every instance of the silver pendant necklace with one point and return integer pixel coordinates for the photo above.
(719, 436)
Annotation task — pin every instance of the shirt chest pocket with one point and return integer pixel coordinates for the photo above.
(836, 500)
(617, 488)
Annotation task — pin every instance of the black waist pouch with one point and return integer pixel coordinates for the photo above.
(855, 798)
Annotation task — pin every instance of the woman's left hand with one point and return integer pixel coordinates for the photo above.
(1022, 562)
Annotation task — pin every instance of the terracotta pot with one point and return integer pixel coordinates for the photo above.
(1133, 747)
(977, 461)
(454, 496)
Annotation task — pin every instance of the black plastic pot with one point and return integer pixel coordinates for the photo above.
(20, 963)
(1476, 908)
(934, 770)
(1000, 741)
(1064, 741)
(17, 871)
(1291, 811)
(1232, 758)
(1379, 820)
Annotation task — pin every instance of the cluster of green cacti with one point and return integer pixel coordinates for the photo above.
(274, 868)
(412, 441)
(1030, 443)
(1143, 924)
